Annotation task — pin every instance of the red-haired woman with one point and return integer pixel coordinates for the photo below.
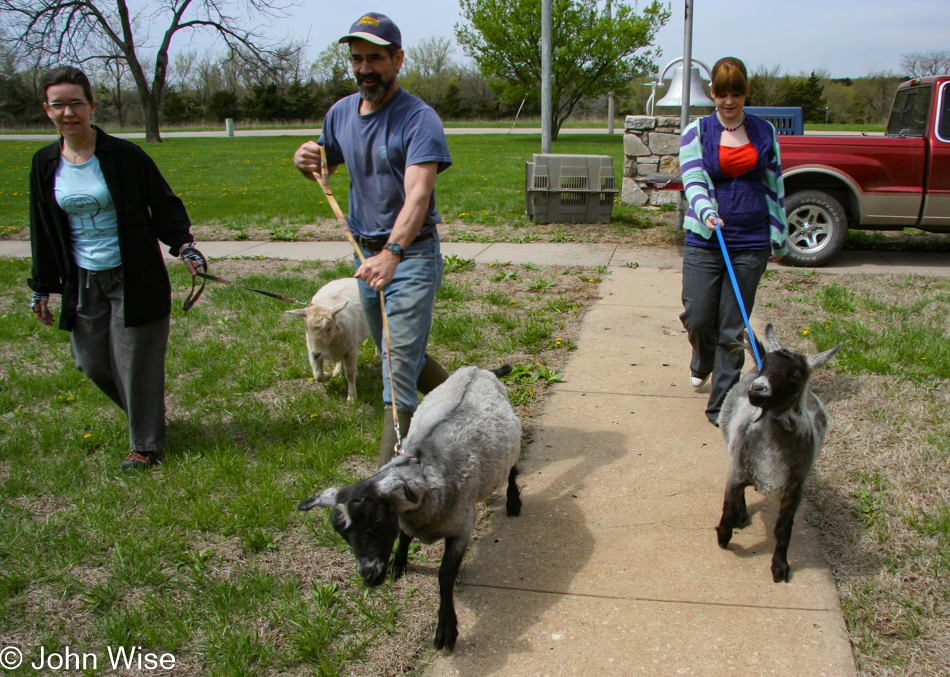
(732, 176)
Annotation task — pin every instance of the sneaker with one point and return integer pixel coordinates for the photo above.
(136, 460)
(698, 381)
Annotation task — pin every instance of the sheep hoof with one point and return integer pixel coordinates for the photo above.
(513, 507)
(724, 535)
(445, 637)
(780, 572)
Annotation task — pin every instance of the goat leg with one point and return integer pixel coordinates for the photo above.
(513, 504)
(448, 631)
(402, 555)
(349, 371)
(734, 512)
(783, 534)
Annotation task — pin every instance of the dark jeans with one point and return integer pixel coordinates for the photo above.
(712, 317)
(126, 363)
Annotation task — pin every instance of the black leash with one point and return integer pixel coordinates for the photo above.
(189, 252)
(215, 278)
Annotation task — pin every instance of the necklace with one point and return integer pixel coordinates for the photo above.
(732, 129)
(82, 152)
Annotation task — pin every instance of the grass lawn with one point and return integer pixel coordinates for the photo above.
(880, 491)
(249, 183)
(205, 557)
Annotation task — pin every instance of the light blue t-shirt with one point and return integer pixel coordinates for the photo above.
(376, 149)
(82, 193)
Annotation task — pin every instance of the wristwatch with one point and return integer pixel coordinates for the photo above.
(395, 248)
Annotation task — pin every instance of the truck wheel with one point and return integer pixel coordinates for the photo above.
(817, 228)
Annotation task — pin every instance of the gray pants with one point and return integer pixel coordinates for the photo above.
(712, 317)
(126, 363)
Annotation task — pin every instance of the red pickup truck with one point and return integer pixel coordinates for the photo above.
(892, 182)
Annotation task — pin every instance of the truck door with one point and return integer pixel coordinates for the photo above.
(936, 213)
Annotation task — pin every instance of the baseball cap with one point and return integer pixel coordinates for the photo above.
(376, 28)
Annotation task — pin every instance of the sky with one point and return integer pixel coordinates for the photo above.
(845, 38)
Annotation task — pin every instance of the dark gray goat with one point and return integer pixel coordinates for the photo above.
(774, 428)
(463, 441)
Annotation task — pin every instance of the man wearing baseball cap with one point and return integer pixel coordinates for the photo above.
(393, 145)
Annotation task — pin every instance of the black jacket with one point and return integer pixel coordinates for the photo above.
(148, 211)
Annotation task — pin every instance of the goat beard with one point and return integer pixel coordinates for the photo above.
(375, 88)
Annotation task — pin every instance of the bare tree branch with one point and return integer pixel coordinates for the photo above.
(64, 31)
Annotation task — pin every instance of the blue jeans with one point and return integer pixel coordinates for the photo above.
(410, 297)
(712, 317)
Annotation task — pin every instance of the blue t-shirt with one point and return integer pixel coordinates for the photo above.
(377, 148)
(82, 193)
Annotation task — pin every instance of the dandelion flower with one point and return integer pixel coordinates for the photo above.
(70, 398)
(805, 332)
(314, 415)
(87, 436)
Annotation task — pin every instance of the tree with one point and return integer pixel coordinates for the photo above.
(764, 86)
(873, 96)
(592, 54)
(78, 31)
(931, 62)
(332, 70)
(806, 93)
(429, 70)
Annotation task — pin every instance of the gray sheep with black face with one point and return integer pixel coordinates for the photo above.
(774, 427)
(463, 442)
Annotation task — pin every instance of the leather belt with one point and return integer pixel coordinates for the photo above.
(376, 244)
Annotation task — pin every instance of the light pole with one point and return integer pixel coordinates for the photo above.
(610, 95)
(684, 110)
(546, 113)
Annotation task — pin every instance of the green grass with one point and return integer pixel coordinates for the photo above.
(250, 182)
(882, 337)
(881, 489)
(206, 556)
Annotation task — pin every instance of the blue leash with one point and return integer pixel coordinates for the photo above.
(735, 288)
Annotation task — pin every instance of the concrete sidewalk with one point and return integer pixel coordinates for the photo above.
(613, 567)
(546, 253)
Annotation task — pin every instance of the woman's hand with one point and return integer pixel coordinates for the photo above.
(42, 312)
(713, 222)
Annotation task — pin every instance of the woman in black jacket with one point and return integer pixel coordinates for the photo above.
(98, 206)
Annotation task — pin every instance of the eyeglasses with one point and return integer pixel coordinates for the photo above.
(372, 59)
(76, 106)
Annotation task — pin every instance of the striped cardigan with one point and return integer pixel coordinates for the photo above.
(700, 191)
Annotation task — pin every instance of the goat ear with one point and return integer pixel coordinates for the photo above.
(299, 312)
(771, 340)
(337, 308)
(404, 485)
(327, 499)
(821, 359)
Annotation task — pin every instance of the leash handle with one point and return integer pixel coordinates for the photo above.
(735, 288)
(323, 178)
(188, 251)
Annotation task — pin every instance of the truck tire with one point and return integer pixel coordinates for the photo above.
(817, 228)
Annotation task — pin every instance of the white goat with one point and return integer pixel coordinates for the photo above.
(774, 427)
(335, 327)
